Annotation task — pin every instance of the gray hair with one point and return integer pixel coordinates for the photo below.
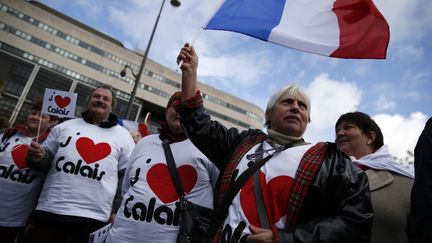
(293, 91)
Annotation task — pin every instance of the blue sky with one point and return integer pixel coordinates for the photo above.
(395, 91)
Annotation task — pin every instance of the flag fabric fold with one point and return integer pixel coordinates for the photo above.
(336, 28)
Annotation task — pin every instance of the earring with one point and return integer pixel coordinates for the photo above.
(368, 142)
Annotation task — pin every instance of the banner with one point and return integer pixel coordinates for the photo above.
(59, 103)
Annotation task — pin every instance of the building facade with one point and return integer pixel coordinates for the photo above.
(43, 48)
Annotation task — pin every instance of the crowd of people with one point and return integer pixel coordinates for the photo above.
(62, 181)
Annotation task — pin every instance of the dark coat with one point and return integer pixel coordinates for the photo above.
(421, 194)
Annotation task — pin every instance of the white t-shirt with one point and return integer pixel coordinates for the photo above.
(276, 176)
(149, 208)
(19, 185)
(83, 177)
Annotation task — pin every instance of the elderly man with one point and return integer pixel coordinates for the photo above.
(299, 192)
(83, 159)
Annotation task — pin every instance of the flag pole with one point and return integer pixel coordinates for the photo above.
(40, 121)
(190, 44)
(218, 6)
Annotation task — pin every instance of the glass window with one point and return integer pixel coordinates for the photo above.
(16, 73)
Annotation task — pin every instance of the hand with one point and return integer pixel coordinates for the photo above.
(260, 235)
(35, 152)
(189, 57)
(189, 71)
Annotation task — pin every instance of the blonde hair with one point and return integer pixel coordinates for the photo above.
(293, 91)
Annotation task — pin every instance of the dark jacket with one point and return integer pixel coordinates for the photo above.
(337, 207)
(421, 194)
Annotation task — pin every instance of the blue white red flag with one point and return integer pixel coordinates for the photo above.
(336, 28)
(133, 126)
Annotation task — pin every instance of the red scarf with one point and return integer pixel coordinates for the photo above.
(23, 130)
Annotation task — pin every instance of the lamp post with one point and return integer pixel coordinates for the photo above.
(175, 3)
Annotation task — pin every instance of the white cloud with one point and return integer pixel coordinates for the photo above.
(415, 77)
(401, 133)
(412, 95)
(137, 18)
(330, 99)
(408, 20)
(240, 69)
(408, 51)
(384, 104)
(362, 68)
(88, 5)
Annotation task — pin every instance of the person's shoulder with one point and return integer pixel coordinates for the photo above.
(120, 129)
(149, 139)
(71, 123)
(252, 134)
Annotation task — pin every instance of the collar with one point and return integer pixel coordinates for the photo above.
(23, 130)
(277, 138)
(378, 178)
(165, 133)
(112, 120)
(382, 160)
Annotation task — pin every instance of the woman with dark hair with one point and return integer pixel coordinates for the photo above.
(390, 183)
(20, 185)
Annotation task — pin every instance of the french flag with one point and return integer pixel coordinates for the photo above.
(133, 126)
(335, 28)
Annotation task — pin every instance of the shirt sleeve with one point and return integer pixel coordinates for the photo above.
(51, 144)
(126, 150)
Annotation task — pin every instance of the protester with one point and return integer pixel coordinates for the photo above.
(84, 159)
(149, 211)
(20, 185)
(390, 183)
(421, 194)
(334, 208)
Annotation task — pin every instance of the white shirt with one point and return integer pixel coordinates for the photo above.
(19, 185)
(276, 176)
(149, 209)
(83, 177)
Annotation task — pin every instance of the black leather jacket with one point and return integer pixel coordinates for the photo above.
(337, 207)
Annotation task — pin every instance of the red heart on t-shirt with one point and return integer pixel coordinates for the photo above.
(160, 182)
(19, 153)
(90, 151)
(62, 101)
(275, 195)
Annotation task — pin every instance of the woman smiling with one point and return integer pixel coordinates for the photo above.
(390, 183)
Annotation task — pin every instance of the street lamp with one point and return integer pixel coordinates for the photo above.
(175, 3)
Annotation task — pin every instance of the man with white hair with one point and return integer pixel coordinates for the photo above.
(275, 187)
